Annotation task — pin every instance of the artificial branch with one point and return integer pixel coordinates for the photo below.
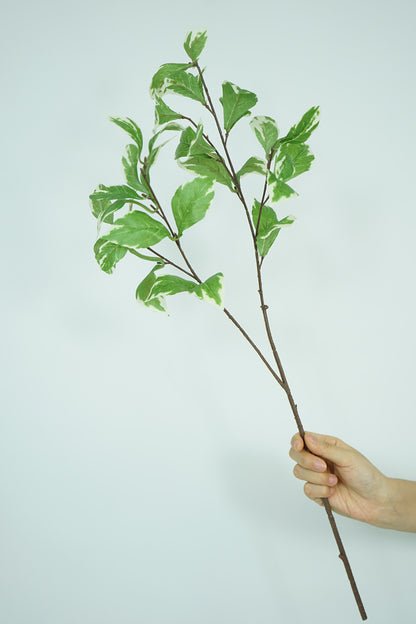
(137, 230)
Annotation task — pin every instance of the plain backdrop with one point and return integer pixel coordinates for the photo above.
(145, 475)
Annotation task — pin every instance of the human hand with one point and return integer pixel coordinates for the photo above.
(353, 486)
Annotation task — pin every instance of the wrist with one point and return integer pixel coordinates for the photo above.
(397, 507)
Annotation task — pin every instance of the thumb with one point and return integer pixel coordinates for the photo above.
(329, 447)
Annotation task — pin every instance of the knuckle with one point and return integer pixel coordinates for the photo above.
(296, 470)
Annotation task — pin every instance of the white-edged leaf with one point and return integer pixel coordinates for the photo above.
(266, 131)
(212, 290)
(163, 113)
(192, 143)
(172, 126)
(153, 290)
(155, 149)
(130, 161)
(188, 85)
(292, 159)
(195, 43)
(279, 190)
(143, 290)
(103, 208)
(191, 202)
(208, 167)
(301, 131)
(108, 254)
(163, 75)
(236, 103)
(253, 165)
(130, 126)
(269, 226)
(120, 191)
(136, 229)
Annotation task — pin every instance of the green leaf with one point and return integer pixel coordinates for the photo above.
(171, 126)
(143, 291)
(153, 155)
(292, 159)
(301, 131)
(195, 43)
(114, 192)
(153, 290)
(191, 202)
(279, 190)
(269, 226)
(188, 85)
(171, 285)
(212, 290)
(164, 114)
(266, 131)
(131, 128)
(193, 143)
(130, 161)
(107, 215)
(103, 209)
(154, 150)
(108, 254)
(186, 138)
(236, 103)
(253, 165)
(163, 75)
(195, 154)
(136, 229)
(205, 166)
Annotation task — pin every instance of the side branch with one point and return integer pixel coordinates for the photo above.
(194, 275)
(257, 350)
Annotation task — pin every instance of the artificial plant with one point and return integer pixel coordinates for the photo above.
(134, 219)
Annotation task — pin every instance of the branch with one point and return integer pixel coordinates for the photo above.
(264, 308)
(165, 260)
(196, 277)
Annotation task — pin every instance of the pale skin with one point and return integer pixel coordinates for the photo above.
(353, 486)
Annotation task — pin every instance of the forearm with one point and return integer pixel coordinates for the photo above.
(399, 510)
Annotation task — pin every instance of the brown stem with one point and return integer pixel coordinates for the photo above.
(285, 385)
(169, 262)
(257, 350)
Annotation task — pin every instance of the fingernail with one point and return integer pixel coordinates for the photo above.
(332, 479)
(319, 465)
(312, 439)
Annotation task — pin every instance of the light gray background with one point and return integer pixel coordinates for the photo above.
(145, 474)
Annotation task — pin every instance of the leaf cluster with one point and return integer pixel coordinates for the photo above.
(129, 215)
